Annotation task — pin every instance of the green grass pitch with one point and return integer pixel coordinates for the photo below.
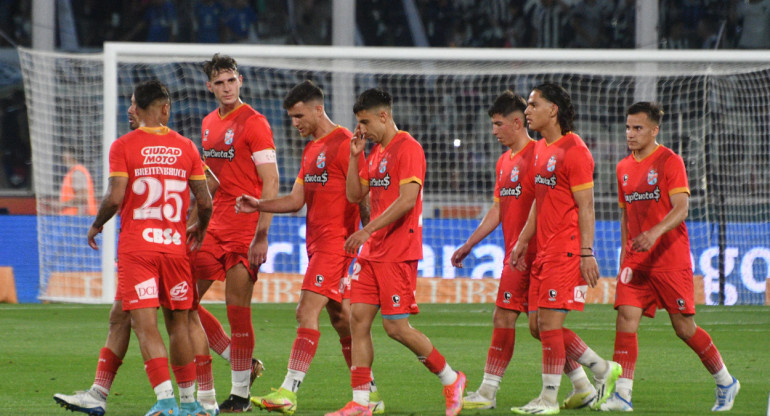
(47, 349)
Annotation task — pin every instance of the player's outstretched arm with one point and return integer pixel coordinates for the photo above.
(407, 198)
(589, 268)
(518, 254)
(488, 224)
(116, 191)
(268, 172)
(204, 208)
(292, 202)
(680, 205)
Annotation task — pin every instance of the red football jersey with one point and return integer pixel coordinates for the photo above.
(400, 162)
(644, 189)
(331, 219)
(561, 168)
(229, 141)
(158, 162)
(515, 194)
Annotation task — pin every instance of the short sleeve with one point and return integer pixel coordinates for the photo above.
(621, 199)
(197, 172)
(411, 164)
(580, 168)
(118, 165)
(258, 133)
(676, 175)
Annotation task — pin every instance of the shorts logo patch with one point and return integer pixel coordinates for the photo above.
(681, 303)
(552, 295)
(626, 275)
(147, 289)
(179, 291)
(580, 293)
(396, 300)
(319, 280)
(507, 297)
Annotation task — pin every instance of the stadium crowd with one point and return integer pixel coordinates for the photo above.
(683, 24)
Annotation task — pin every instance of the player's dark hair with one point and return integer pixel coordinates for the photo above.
(507, 103)
(653, 111)
(304, 92)
(147, 92)
(372, 98)
(219, 63)
(559, 96)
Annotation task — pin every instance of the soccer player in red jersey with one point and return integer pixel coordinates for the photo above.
(656, 271)
(94, 400)
(238, 147)
(562, 216)
(392, 246)
(512, 201)
(330, 220)
(152, 171)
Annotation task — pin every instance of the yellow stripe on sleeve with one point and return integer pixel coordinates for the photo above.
(588, 185)
(411, 179)
(680, 190)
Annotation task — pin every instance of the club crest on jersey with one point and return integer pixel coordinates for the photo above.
(396, 300)
(551, 166)
(515, 174)
(229, 135)
(552, 295)
(383, 165)
(625, 180)
(320, 161)
(206, 135)
(319, 280)
(681, 304)
(507, 297)
(652, 177)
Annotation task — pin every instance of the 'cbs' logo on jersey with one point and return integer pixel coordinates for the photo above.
(160, 236)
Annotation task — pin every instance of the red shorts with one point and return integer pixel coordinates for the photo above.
(557, 283)
(216, 257)
(148, 279)
(327, 275)
(389, 285)
(672, 290)
(513, 292)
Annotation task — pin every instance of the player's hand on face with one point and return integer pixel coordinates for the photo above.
(257, 252)
(356, 240)
(246, 204)
(516, 259)
(357, 143)
(459, 255)
(644, 241)
(92, 232)
(589, 268)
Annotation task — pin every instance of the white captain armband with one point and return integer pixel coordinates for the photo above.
(263, 156)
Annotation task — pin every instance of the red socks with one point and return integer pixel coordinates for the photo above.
(701, 343)
(500, 351)
(434, 361)
(554, 354)
(574, 346)
(203, 372)
(218, 339)
(303, 350)
(157, 370)
(626, 352)
(345, 342)
(184, 374)
(106, 368)
(242, 337)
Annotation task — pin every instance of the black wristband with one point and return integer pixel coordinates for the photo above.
(586, 255)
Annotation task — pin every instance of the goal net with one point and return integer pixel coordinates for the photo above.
(717, 116)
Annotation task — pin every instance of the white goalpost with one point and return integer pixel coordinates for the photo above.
(717, 116)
